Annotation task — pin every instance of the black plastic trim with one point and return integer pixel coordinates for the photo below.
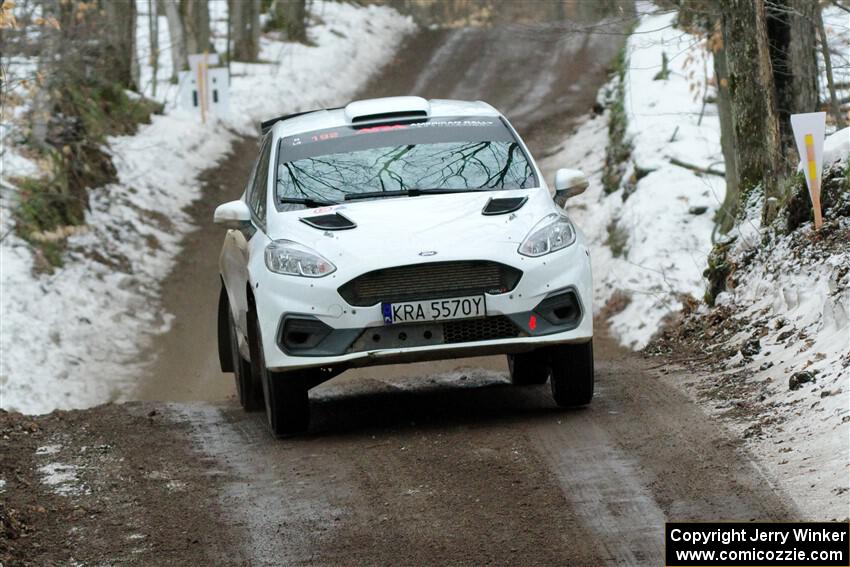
(511, 203)
(342, 341)
(333, 343)
(266, 125)
(509, 276)
(560, 297)
(315, 222)
(389, 117)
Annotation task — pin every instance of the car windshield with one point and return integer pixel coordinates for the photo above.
(441, 155)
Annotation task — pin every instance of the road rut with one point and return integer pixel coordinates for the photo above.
(446, 463)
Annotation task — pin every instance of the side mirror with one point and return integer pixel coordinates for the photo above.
(569, 183)
(234, 214)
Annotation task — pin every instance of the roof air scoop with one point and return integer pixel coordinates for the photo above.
(388, 108)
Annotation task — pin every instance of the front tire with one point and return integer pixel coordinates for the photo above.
(572, 374)
(286, 399)
(528, 368)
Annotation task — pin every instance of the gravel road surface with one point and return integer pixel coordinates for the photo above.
(438, 463)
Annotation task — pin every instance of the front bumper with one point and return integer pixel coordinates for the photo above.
(345, 336)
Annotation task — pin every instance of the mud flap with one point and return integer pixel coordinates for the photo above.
(225, 358)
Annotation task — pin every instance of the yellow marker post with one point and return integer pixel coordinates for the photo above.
(814, 188)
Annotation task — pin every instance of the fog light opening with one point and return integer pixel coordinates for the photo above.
(561, 310)
(302, 333)
(297, 338)
(564, 312)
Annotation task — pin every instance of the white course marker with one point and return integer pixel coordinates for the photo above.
(809, 131)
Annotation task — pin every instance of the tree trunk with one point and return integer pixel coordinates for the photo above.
(835, 109)
(153, 33)
(291, 16)
(751, 93)
(803, 56)
(791, 35)
(195, 18)
(246, 29)
(729, 210)
(120, 61)
(179, 58)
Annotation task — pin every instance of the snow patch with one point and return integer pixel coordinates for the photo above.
(48, 450)
(836, 148)
(63, 479)
(71, 339)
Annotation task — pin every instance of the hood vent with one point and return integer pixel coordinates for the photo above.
(329, 222)
(503, 206)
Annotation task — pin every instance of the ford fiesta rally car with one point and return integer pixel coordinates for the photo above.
(400, 230)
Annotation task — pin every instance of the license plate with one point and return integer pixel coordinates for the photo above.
(434, 310)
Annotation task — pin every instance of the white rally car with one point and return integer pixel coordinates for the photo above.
(399, 230)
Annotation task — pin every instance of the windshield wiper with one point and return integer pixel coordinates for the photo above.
(404, 193)
(307, 201)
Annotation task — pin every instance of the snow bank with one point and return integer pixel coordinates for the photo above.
(69, 339)
(791, 304)
(661, 218)
(791, 308)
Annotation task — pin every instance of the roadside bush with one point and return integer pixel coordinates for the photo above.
(718, 271)
(82, 115)
(619, 148)
(835, 198)
(617, 240)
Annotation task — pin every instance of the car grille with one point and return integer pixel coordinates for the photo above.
(486, 329)
(430, 281)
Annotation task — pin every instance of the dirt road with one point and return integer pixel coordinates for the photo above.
(423, 464)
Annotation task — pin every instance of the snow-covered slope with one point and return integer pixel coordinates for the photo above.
(67, 339)
(650, 239)
(787, 313)
(774, 354)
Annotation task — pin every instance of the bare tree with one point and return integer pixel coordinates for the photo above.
(827, 60)
(791, 36)
(195, 17)
(245, 22)
(178, 40)
(120, 29)
(804, 64)
(189, 29)
(291, 17)
(757, 139)
(728, 211)
(153, 33)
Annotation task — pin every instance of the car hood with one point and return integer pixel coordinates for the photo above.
(406, 229)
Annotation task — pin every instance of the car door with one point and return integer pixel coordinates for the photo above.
(235, 253)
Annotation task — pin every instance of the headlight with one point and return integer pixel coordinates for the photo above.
(552, 233)
(293, 259)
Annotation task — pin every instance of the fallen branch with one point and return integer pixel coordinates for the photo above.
(698, 169)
